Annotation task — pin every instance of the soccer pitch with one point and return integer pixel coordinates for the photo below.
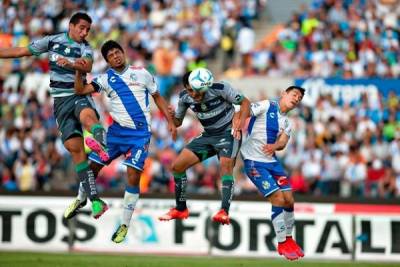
(20, 259)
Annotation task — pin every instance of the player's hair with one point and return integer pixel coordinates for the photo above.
(185, 78)
(78, 16)
(301, 89)
(107, 46)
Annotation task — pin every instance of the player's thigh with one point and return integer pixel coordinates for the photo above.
(280, 176)
(277, 199)
(201, 147)
(225, 145)
(68, 125)
(289, 199)
(185, 160)
(261, 177)
(135, 155)
(133, 176)
(84, 104)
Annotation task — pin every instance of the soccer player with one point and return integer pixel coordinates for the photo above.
(128, 89)
(214, 109)
(269, 131)
(65, 52)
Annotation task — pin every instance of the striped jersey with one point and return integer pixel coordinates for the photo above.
(61, 45)
(266, 124)
(128, 92)
(215, 111)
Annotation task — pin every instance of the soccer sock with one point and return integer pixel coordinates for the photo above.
(99, 134)
(278, 221)
(180, 190)
(86, 176)
(227, 192)
(81, 193)
(289, 220)
(131, 196)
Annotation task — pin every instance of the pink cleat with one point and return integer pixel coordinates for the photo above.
(97, 148)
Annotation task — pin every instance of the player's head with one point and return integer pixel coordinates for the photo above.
(196, 95)
(113, 54)
(79, 26)
(291, 97)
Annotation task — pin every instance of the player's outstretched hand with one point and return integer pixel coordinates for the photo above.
(269, 149)
(63, 62)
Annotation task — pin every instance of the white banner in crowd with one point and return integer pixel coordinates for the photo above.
(37, 224)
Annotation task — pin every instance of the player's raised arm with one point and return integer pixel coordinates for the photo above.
(15, 52)
(163, 107)
(80, 87)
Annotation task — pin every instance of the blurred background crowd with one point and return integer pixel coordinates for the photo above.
(342, 149)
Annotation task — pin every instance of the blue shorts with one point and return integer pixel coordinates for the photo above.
(134, 146)
(267, 177)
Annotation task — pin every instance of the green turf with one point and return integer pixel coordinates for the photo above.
(19, 259)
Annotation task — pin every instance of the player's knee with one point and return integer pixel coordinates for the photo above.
(177, 167)
(289, 201)
(88, 117)
(277, 199)
(226, 166)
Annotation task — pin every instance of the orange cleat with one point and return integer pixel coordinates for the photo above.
(221, 217)
(173, 213)
(299, 251)
(287, 251)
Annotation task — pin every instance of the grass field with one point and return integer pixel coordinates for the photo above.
(19, 259)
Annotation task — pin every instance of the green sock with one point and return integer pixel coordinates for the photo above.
(99, 133)
(227, 192)
(180, 190)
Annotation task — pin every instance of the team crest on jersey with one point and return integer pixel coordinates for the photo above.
(67, 50)
(133, 77)
(266, 185)
(203, 107)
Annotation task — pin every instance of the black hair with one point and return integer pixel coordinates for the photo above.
(107, 46)
(301, 89)
(78, 16)
(185, 79)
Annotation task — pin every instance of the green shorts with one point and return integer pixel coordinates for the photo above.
(223, 145)
(66, 112)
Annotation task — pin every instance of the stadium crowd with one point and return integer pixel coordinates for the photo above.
(337, 148)
(332, 38)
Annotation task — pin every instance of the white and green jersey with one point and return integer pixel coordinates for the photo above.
(215, 111)
(61, 45)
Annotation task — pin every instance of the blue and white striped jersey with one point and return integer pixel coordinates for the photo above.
(128, 92)
(265, 125)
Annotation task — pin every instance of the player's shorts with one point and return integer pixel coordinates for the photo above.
(267, 177)
(120, 141)
(67, 110)
(223, 145)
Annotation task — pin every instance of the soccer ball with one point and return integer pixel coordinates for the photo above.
(201, 79)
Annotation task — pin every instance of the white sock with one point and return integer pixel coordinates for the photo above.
(131, 196)
(289, 220)
(278, 221)
(81, 193)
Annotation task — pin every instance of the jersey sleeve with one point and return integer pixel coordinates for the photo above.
(231, 94)
(151, 84)
(39, 46)
(100, 83)
(87, 52)
(287, 127)
(258, 108)
(181, 110)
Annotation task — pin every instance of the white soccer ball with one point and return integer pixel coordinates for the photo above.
(201, 79)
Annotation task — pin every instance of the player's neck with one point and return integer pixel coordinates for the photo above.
(120, 69)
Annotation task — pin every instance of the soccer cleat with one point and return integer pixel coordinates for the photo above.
(120, 234)
(299, 251)
(73, 208)
(221, 217)
(97, 148)
(287, 251)
(173, 213)
(98, 208)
